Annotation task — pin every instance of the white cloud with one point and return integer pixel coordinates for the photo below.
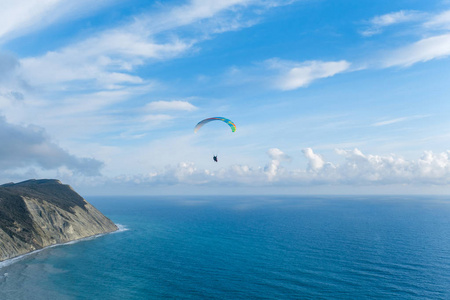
(315, 161)
(394, 18)
(293, 75)
(389, 122)
(379, 22)
(20, 14)
(79, 117)
(434, 166)
(362, 169)
(277, 156)
(30, 146)
(108, 58)
(352, 169)
(397, 120)
(99, 71)
(432, 27)
(191, 12)
(424, 50)
(439, 21)
(357, 169)
(19, 17)
(170, 105)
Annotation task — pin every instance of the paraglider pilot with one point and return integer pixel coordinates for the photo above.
(215, 158)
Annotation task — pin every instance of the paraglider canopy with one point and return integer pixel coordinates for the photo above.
(225, 120)
(203, 122)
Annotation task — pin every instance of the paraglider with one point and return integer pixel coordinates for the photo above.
(203, 122)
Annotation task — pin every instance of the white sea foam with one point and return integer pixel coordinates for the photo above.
(121, 228)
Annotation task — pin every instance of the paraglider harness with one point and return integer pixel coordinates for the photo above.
(215, 158)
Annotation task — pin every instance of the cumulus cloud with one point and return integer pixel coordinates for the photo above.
(277, 156)
(367, 169)
(315, 161)
(356, 169)
(170, 105)
(293, 75)
(359, 168)
(30, 146)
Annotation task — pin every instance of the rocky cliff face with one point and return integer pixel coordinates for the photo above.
(38, 213)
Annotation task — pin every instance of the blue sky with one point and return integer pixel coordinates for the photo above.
(328, 96)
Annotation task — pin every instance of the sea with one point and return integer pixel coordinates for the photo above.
(248, 247)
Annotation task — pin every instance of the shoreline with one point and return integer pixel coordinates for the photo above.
(10, 261)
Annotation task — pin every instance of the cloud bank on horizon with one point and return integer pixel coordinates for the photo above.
(356, 169)
(122, 84)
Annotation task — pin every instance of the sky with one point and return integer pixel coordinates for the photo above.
(328, 97)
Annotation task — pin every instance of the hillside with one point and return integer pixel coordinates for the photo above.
(38, 213)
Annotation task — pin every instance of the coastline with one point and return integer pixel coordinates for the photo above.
(10, 261)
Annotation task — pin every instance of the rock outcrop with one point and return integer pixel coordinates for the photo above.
(38, 213)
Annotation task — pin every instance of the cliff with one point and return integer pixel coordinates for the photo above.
(38, 213)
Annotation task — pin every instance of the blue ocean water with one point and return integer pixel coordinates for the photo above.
(379, 247)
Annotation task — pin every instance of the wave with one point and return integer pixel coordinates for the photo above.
(121, 227)
(8, 262)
